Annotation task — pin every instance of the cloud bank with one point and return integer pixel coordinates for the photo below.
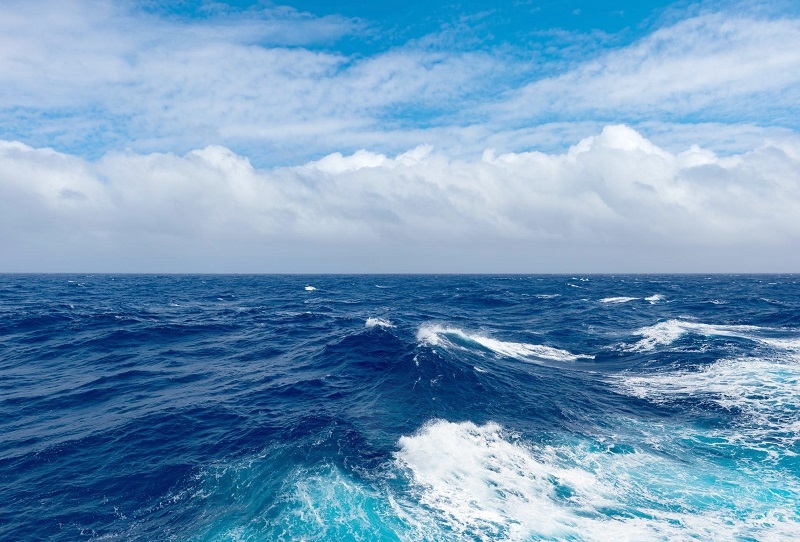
(612, 202)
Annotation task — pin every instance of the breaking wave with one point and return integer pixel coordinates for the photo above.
(451, 337)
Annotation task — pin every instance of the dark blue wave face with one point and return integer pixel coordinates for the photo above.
(399, 407)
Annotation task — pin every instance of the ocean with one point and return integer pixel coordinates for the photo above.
(399, 407)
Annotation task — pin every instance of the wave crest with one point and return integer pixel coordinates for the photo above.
(437, 335)
(378, 322)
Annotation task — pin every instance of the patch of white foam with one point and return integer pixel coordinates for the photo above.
(763, 391)
(617, 299)
(783, 344)
(665, 333)
(436, 335)
(309, 288)
(378, 322)
(485, 484)
(655, 298)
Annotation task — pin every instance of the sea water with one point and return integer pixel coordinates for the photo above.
(248, 408)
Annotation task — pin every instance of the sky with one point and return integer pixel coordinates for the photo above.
(307, 136)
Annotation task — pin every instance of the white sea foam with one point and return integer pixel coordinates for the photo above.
(783, 344)
(436, 335)
(655, 298)
(666, 333)
(617, 299)
(462, 481)
(484, 484)
(378, 322)
(763, 391)
(547, 296)
(752, 384)
(310, 288)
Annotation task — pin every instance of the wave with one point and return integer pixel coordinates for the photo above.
(617, 299)
(653, 299)
(378, 322)
(756, 385)
(463, 481)
(320, 504)
(436, 335)
(666, 333)
(762, 391)
(484, 483)
(309, 288)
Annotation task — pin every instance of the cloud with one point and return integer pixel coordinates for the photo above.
(87, 78)
(101, 76)
(710, 67)
(615, 193)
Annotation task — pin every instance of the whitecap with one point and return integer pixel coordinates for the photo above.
(483, 486)
(655, 298)
(309, 288)
(666, 333)
(750, 384)
(617, 299)
(378, 322)
(483, 483)
(437, 335)
(761, 391)
(464, 481)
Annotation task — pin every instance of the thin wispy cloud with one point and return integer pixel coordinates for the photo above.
(708, 67)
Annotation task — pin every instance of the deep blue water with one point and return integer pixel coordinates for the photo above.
(212, 408)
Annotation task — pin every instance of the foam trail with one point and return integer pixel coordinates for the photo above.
(377, 322)
(763, 392)
(618, 299)
(436, 335)
(666, 333)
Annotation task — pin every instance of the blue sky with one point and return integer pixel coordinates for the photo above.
(399, 129)
(157, 73)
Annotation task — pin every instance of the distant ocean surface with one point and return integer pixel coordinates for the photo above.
(250, 408)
